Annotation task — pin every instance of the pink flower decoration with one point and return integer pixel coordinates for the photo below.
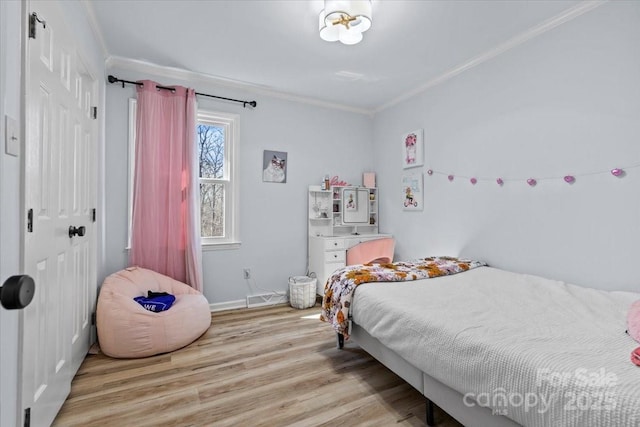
(450, 177)
(499, 181)
(532, 182)
(429, 172)
(569, 179)
(473, 181)
(617, 172)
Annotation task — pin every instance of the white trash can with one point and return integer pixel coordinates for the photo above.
(302, 291)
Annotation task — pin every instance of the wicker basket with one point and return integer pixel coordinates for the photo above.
(302, 292)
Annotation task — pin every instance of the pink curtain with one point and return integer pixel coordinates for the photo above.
(166, 213)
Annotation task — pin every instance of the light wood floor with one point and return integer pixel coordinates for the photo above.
(253, 367)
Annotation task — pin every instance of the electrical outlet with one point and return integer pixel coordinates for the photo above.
(247, 273)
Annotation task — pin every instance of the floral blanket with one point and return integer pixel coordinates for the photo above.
(338, 292)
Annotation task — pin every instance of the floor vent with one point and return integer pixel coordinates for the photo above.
(265, 299)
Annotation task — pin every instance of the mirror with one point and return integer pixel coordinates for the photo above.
(355, 205)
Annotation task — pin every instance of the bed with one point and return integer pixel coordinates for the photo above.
(492, 347)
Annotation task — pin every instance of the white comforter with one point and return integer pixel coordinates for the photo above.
(542, 352)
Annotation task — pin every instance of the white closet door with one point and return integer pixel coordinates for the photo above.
(59, 194)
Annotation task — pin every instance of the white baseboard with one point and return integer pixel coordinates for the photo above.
(229, 305)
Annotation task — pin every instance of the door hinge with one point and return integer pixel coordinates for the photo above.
(33, 21)
(27, 417)
(93, 318)
(93, 215)
(30, 221)
(94, 113)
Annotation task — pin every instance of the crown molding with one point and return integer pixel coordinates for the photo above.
(140, 66)
(191, 76)
(93, 23)
(519, 39)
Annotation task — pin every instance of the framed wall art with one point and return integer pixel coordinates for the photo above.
(412, 191)
(274, 166)
(412, 149)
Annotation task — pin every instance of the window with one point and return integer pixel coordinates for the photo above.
(217, 144)
(217, 141)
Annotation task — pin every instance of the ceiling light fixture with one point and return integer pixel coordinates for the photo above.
(345, 20)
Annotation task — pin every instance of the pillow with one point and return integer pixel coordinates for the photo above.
(635, 356)
(156, 303)
(633, 321)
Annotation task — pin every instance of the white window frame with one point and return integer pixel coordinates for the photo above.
(231, 124)
(230, 179)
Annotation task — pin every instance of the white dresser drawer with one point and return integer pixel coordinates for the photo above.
(335, 256)
(330, 244)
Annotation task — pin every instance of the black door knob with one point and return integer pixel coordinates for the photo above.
(17, 292)
(76, 231)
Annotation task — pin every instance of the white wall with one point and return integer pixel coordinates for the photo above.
(10, 104)
(566, 102)
(273, 226)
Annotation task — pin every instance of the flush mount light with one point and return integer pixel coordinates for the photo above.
(344, 20)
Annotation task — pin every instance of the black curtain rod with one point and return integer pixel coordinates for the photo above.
(113, 79)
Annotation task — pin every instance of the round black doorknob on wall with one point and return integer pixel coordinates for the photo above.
(17, 292)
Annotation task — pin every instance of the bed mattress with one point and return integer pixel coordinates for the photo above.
(539, 351)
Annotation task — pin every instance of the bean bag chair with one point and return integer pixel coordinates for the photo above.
(371, 251)
(127, 330)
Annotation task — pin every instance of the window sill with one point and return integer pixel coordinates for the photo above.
(206, 247)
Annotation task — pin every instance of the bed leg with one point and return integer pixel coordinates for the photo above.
(340, 338)
(430, 420)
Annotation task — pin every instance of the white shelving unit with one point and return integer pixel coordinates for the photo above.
(320, 211)
(327, 212)
(335, 226)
